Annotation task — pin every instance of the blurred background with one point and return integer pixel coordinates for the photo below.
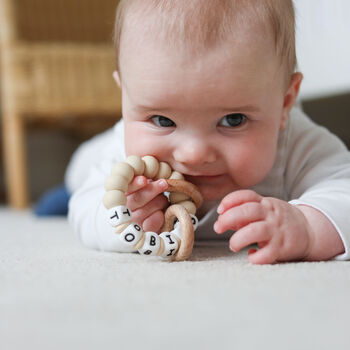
(57, 88)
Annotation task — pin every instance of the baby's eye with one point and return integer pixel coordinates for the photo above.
(163, 122)
(233, 120)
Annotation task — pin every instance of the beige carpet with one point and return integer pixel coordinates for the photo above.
(55, 294)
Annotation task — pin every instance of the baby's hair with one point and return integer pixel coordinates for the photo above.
(201, 23)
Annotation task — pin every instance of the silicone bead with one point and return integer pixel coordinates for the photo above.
(164, 171)
(177, 231)
(176, 197)
(137, 164)
(151, 244)
(189, 206)
(132, 234)
(171, 244)
(119, 215)
(114, 198)
(116, 183)
(194, 221)
(123, 169)
(175, 175)
(151, 166)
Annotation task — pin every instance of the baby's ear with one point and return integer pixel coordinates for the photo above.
(117, 78)
(290, 97)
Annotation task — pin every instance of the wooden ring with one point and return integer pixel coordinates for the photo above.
(187, 232)
(187, 188)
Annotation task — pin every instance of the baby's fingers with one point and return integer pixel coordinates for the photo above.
(156, 204)
(154, 222)
(251, 234)
(136, 184)
(240, 216)
(141, 197)
(266, 255)
(237, 198)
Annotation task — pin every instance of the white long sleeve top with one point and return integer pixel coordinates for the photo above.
(312, 167)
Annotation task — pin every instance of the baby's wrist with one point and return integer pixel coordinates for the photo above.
(324, 239)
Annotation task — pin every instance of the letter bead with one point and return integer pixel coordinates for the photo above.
(151, 244)
(132, 234)
(119, 215)
(171, 244)
(123, 169)
(151, 166)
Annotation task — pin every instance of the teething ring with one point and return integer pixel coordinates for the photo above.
(187, 241)
(175, 243)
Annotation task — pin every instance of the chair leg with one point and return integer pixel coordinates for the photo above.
(15, 161)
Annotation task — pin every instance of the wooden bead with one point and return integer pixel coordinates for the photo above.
(164, 171)
(189, 206)
(187, 188)
(151, 166)
(137, 164)
(114, 198)
(120, 228)
(123, 169)
(176, 197)
(116, 182)
(171, 244)
(175, 175)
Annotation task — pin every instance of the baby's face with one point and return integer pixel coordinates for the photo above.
(215, 116)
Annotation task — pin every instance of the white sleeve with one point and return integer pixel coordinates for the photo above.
(87, 214)
(318, 174)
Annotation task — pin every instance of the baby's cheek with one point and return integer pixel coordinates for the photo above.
(250, 165)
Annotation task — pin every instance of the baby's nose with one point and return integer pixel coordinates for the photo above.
(194, 152)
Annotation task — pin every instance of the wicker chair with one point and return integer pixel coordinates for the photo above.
(57, 61)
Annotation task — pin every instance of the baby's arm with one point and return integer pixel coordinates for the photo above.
(283, 232)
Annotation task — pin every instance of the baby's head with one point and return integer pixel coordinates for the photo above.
(207, 85)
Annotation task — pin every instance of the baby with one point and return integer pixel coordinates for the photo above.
(209, 88)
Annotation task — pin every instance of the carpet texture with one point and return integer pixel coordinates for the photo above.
(56, 294)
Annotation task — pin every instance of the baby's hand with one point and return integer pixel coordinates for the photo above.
(146, 201)
(280, 229)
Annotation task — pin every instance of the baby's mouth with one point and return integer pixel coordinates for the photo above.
(203, 179)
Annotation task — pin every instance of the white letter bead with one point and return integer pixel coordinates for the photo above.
(171, 244)
(119, 215)
(194, 221)
(177, 231)
(132, 234)
(151, 244)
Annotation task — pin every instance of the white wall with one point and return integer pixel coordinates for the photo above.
(323, 46)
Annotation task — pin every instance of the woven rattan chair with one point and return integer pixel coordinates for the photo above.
(57, 61)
